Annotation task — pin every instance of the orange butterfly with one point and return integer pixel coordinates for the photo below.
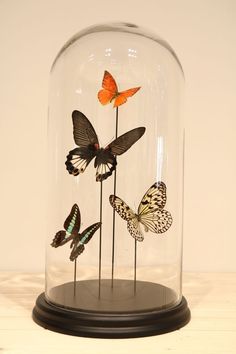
(110, 92)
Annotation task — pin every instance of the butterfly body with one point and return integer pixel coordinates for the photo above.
(88, 148)
(110, 93)
(103, 155)
(71, 233)
(151, 213)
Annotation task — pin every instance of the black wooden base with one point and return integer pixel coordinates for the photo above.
(110, 324)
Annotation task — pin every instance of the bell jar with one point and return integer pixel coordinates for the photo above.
(115, 187)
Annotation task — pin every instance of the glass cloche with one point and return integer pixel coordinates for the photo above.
(115, 196)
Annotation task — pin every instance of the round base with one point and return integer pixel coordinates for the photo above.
(104, 320)
(122, 296)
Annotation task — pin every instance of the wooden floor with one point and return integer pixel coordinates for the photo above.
(212, 330)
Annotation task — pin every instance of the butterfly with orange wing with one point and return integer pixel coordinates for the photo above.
(110, 91)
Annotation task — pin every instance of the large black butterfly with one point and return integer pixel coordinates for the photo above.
(151, 213)
(71, 232)
(88, 148)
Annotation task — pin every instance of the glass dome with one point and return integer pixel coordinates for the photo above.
(115, 166)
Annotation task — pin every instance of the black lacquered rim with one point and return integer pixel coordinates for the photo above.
(103, 325)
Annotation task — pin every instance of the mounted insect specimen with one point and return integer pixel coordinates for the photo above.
(151, 215)
(88, 148)
(71, 233)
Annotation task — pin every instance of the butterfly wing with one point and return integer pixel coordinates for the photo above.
(86, 138)
(133, 227)
(151, 212)
(73, 221)
(109, 89)
(105, 163)
(122, 97)
(85, 237)
(127, 214)
(79, 158)
(125, 141)
(71, 225)
(158, 222)
(76, 251)
(88, 233)
(109, 83)
(83, 131)
(154, 198)
(121, 207)
(105, 96)
(61, 238)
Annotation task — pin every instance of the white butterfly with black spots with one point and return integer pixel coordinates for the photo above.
(151, 213)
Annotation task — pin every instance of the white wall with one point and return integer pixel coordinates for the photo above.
(203, 33)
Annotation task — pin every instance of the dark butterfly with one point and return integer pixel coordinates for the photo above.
(105, 158)
(71, 233)
(151, 213)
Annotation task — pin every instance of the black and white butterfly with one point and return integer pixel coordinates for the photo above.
(88, 148)
(71, 233)
(151, 213)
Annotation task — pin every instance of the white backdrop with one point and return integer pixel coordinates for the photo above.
(203, 34)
